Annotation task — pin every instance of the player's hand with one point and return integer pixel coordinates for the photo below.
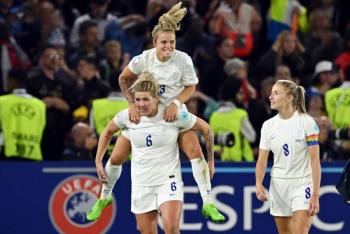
(261, 193)
(314, 205)
(170, 113)
(211, 168)
(134, 114)
(101, 172)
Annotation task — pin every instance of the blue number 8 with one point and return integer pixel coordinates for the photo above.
(149, 140)
(173, 186)
(161, 89)
(285, 150)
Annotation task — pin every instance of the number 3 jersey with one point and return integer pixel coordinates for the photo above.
(289, 139)
(172, 75)
(155, 152)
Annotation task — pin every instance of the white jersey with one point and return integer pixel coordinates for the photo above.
(289, 139)
(172, 75)
(155, 152)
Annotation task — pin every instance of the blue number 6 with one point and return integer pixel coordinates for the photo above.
(149, 140)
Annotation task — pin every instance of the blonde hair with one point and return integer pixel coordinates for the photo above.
(298, 93)
(170, 21)
(145, 83)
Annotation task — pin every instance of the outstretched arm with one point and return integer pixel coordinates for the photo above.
(103, 142)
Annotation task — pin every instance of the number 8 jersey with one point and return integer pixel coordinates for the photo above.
(155, 152)
(289, 139)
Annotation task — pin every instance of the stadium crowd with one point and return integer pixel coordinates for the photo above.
(68, 55)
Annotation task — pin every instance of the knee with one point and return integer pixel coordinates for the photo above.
(171, 228)
(117, 159)
(192, 150)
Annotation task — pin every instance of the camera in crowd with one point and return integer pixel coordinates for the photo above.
(224, 139)
(340, 134)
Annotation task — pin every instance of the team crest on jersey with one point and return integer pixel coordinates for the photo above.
(71, 200)
(184, 115)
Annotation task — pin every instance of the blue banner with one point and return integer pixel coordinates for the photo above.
(53, 197)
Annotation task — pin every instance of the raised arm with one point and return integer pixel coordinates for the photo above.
(126, 79)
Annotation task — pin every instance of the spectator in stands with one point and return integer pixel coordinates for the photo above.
(283, 73)
(324, 79)
(287, 50)
(211, 67)
(56, 92)
(321, 42)
(93, 87)
(89, 45)
(82, 143)
(239, 21)
(343, 60)
(337, 107)
(230, 118)
(236, 68)
(22, 120)
(114, 61)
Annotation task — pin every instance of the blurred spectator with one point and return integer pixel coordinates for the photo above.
(114, 63)
(328, 148)
(56, 92)
(321, 42)
(12, 56)
(315, 106)
(211, 67)
(22, 120)
(343, 60)
(51, 30)
(281, 15)
(283, 73)
(93, 87)
(337, 107)
(324, 79)
(231, 119)
(239, 21)
(286, 50)
(89, 45)
(82, 143)
(235, 68)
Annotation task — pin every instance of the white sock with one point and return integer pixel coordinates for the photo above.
(200, 171)
(113, 173)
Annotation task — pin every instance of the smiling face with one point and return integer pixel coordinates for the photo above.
(164, 42)
(279, 98)
(146, 103)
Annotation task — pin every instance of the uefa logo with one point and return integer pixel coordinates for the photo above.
(72, 199)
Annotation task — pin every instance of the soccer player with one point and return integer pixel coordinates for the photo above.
(155, 165)
(292, 136)
(174, 72)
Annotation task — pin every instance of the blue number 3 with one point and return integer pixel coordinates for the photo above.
(149, 140)
(285, 150)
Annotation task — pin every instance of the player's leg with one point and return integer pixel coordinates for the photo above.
(113, 169)
(284, 225)
(171, 214)
(188, 142)
(147, 222)
(301, 222)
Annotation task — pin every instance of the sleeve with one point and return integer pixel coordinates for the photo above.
(186, 120)
(121, 118)
(311, 131)
(264, 139)
(189, 76)
(136, 64)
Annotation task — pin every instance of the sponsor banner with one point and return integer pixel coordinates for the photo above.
(51, 197)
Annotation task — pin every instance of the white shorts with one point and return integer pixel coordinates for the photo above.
(289, 195)
(148, 198)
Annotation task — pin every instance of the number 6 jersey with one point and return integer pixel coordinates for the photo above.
(155, 152)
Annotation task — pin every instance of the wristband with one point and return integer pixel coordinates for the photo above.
(177, 103)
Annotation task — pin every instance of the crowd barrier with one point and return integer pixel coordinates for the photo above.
(53, 197)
